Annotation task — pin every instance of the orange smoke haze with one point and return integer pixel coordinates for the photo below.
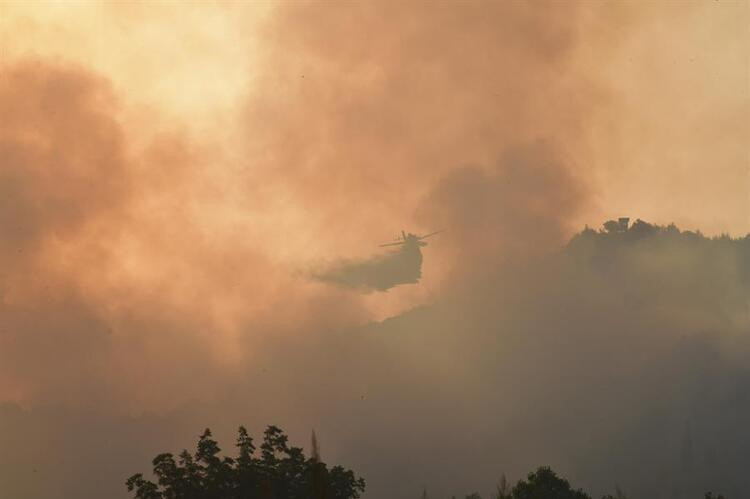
(170, 171)
(186, 173)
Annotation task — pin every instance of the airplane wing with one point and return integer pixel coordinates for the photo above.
(392, 244)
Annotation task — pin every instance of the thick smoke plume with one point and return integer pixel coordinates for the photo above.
(148, 249)
(619, 360)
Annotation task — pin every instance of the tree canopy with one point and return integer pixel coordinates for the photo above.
(277, 471)
(546, 484)
(543, 483)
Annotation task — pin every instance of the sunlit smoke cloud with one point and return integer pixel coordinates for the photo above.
(153, 222)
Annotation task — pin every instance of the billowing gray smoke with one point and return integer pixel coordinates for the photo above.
(146, 281)
(621, 359)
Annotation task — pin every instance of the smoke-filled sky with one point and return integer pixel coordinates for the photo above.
(170, 172)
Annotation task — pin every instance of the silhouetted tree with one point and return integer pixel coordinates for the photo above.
(503, 490)
(612, 226)
(544, 483)
(618, 494)
(278, 472)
